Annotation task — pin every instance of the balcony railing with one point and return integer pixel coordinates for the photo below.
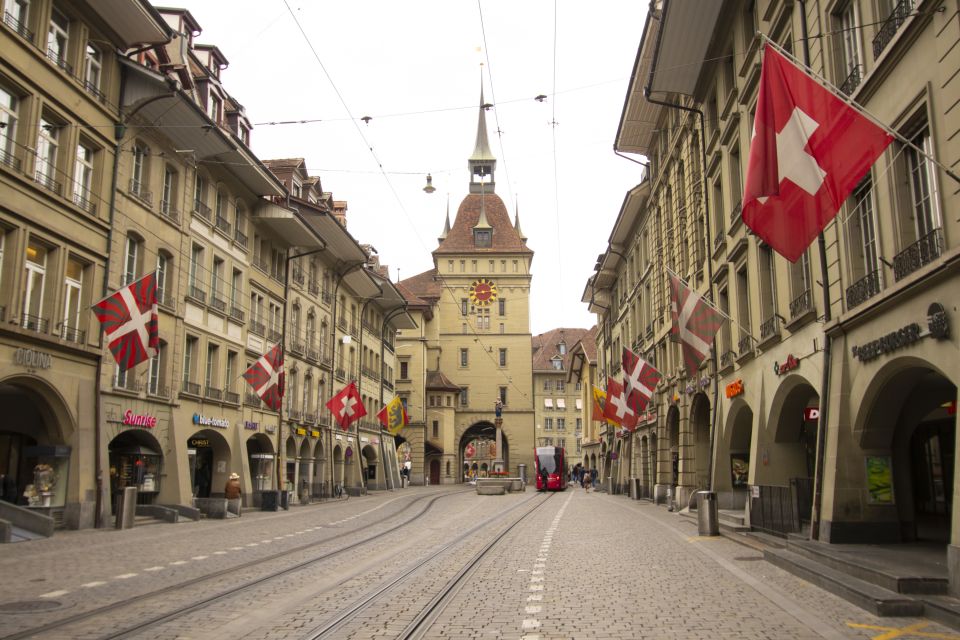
(17, 26)
(735, 213)
(197, 294)
(369, 327)
(158, 391)
(370, 373)
(202, 210)
(852, 81)
(801, 304)
(293, 414)
(770, 327)
(236, 313)
(920, 253)
(326, 297)
(231, 396)
(223, 225)
(745, 345)
(213, 393)
(864, 288)
(387, 384)
(891, 25)
(326, 361)
(273, 335)
(9, 159)
(342, 324)
(240, 239)
(313, 287)
(298, 277)
(48, 183)
(169, 212)
(257, 328)
(297, 347)
(94, 90)
(218, 304)
(72, 334)
(718, 240)
(84, 203)
(34, 323)
(726, 359)
(313, 354)
(251, 399)
(139, 191)
(59, 60)
(340, 373)
(191, 388)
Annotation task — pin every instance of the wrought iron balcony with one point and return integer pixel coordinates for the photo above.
(293, 413)
(313, 354)
(257, 328)
(387, 384)
(297, 347)
(273, 335)
(342, 324)
(864, 288)
(370, 373)
(240, 239)
(231, 396)
(770, 327)
(94, 90)
(158, 391)
(218, 304)
(16, 25)
(326, 297)
(745, 345)
(236, 313)
(140, 191)
(735, 213)
(169, 212)
(191, 388)
(326, 361)
(298, 276)
(84, 203)
(223, 225)
(47, 182)
(718, 240)
(34, 323)
(340, 373)
(9, 160)
(920, 253)
(801, 304)
(313, 287)
(72, 334)
(251, 399)
(213, 393)
(202, 210)
(891, 25)
(369, 327)
(197, 294)
(60, 61)
(852, 81)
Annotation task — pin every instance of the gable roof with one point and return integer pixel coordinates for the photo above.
(436, 381)
(505, 236)
(546, 347)
(423, 286)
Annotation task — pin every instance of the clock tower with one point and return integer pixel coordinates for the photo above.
(474, 344)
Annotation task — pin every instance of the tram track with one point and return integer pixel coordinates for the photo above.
(424, 619)
(204, 602)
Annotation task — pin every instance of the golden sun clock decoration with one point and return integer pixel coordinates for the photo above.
(483, 292)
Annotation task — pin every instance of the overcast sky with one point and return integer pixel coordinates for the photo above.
(414, 68)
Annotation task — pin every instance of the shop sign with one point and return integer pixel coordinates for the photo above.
(252, 426)
(374, 440)
(314, 433)
(132, 419)
(208, 421)
(789, 364)
(691, 387)
(32, 358)
(301, 431)
(704, 382)
(198, 443)
(270, 428)
(734, 389)
(938, 327)
(811, 413)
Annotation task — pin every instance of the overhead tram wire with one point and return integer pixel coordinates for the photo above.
(556, 188)
(396, 195)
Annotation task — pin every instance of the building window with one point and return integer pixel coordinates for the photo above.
(503, 357)
(168, 197)
(848, 44)
(503, 396)
(463, 306)
(189, 362)
(463, 266)
(213, 368)
(58, 37)
(502, 307)
(163, 267)
(93, 70)
(73, 293)
(450, 266)
(16, 13)
(138, 184)
(561, 424)
(464, 357)
(579, 424)
(481, 238)
(196, 271)
(547, 385)
(515, 266)
(404, 370)
(155, 375)
(561, 385)
(464, 397)
(502, 328)
(548, 424)
(200, 194)
(9, 108)
(436, 429)
(923, 186)
(216, 284)
(48, 143)
(131, 260)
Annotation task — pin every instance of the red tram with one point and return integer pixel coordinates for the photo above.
(551, 468)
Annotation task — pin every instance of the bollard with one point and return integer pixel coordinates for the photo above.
(126, 508)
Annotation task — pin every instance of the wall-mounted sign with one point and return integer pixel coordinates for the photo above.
(32, 358)
(734, 389)
(314, 433)
(198, 443)
(789, 364)
(132, 419)
(209, 421)
(704, 382)
(938, 328)
(691, 387)
(879, 480)
(253, 426)
(270, 428)
(301, 431)
(811, 413)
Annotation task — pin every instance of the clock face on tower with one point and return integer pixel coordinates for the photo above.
(483, 292)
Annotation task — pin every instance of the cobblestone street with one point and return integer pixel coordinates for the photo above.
(581, 566)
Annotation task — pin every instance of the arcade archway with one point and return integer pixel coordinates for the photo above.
(481, 440)
(209, 462)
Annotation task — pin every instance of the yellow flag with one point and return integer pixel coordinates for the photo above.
(393, 416)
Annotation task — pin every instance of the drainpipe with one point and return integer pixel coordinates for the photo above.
(816, 516)
(383, 332)
(706, 208)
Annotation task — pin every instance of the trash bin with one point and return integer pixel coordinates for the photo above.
(269, 500)
(609, 484)
(708, 523)
(522, 472)
(285, 500)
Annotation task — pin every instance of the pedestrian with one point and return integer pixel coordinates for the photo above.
(594, 477)
(586, 481)
(232, 491)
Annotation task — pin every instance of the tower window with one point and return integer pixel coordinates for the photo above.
(482, 238)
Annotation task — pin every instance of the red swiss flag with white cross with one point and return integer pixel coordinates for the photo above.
(809, 150)
(346, 406)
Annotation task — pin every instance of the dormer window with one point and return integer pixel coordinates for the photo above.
(557, 364)
(562, 347)
(482, 237)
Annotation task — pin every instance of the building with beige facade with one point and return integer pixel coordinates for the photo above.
(472, 347)
(832, 390)
(558, 401)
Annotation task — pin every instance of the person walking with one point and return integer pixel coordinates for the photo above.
(232, 492)
(586, 481)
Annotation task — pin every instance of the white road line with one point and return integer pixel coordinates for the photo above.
(531, 624)
(54, 594)
(534, 597)
(199, 557)
(536, 587)
(235, 548)
(534, 608)
(124, 576)
(219, 553)
(95, 583)
(155, 568)
(178, 562)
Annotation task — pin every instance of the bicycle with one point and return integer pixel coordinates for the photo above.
(340, 492)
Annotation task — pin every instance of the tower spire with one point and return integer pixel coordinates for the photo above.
(482, 163)
(516, 222)
(446, 225)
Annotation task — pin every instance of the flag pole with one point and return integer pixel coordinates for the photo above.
(856, 105)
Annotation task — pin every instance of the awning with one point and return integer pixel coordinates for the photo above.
(639, 117)
(286, 224)
(561, 403)
(686, 32)
(548, 403)
(133, 22)
(579, 404)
